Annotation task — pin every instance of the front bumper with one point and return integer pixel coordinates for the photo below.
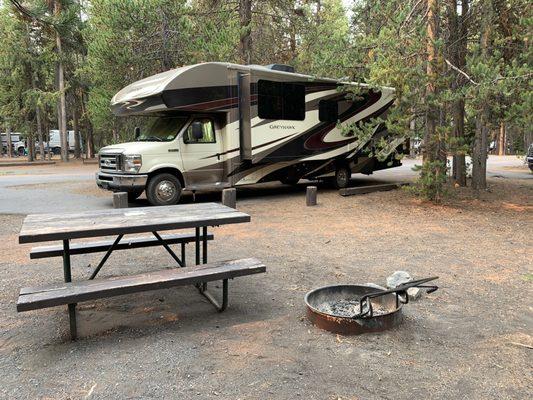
(121, 182)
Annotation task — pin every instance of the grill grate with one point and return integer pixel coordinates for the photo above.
(109, 162)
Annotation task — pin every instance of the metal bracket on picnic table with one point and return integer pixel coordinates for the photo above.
(202, 287)
(106, 256)
(180, 262)
(220, 307)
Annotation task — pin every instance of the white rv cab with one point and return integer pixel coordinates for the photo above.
(214, 125)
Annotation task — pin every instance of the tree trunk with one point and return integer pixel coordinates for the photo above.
(431, 71)
(412, 128)
(479, 155)
(47, 130)
(38, 121)
(457, 47)
(90, 140)
(77, 147)
(245, 17)
(8, 141)
(39, 132)
(62, 117)
(502, 140)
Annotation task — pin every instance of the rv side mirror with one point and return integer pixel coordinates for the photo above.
(197, 130)
(137, 132)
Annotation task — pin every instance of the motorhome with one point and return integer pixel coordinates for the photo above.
(55, 141)
(215, 125)
(17, 144)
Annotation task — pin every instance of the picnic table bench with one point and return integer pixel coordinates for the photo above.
(66, 227)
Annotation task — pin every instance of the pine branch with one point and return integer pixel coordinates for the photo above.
(460, 71)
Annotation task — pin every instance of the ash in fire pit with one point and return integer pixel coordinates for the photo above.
(349, 308)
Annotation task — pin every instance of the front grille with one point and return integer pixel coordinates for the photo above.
(109, 162)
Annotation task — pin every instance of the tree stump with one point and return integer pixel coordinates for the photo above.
(310, 196)
(120, 200)
(229, 197)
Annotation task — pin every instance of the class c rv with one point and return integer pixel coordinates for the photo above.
(216, 125)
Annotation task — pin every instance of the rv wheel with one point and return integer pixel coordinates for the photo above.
(163, 190)
(342, 177)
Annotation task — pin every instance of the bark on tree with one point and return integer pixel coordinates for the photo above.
(431, 71)
(479, 154)
(8, 141)
(75, 128)
(245, 17)
(89, 138)
(458, 42)
(38, 122)
(62, 110)
(412, 128)
(39, 132)
(502, 139)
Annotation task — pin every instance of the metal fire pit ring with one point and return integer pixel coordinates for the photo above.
(347, 325)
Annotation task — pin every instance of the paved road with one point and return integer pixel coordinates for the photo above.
(25, 190)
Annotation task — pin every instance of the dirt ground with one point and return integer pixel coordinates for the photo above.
(469, 340)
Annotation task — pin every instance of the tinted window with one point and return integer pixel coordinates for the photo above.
(281, 100)
(328, 110)
(158, 129)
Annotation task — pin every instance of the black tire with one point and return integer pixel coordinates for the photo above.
(163, 190)
(342, 177)
(56, 151)
(132, 196)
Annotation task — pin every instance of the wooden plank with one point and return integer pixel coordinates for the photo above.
(75, 292)
(350, 191)
(45, 227)
(103, 245)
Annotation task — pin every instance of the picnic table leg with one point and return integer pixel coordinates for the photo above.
(197, 248)
(204, 252)
(68, 278)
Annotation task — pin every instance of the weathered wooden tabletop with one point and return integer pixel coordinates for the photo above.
(45, 227)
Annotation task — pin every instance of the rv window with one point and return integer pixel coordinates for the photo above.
(328, 110)
(208, 130)
(160, 129)
(281, 100)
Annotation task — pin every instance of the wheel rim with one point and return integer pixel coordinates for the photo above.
(342, 177)
(165, 190)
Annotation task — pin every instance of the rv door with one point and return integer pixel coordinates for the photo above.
(201, 147)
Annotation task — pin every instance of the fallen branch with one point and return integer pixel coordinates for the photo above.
(527, 346)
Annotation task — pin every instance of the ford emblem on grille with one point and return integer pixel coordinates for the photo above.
(107, 162)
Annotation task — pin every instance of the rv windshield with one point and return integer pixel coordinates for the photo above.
(161, 129)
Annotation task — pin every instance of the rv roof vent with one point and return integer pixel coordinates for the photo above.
(281, 67)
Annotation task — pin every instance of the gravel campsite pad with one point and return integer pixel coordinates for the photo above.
(470, 339)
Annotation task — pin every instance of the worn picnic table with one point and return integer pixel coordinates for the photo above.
(119, 222)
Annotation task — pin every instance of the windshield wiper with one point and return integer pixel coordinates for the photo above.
(151, 138)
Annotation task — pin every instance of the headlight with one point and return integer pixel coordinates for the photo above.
(131, 163)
